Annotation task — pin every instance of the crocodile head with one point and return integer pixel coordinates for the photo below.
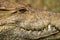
(25, 21)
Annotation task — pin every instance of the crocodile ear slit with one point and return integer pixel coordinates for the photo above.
(22, 10)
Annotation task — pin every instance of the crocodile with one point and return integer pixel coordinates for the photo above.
(21, 21)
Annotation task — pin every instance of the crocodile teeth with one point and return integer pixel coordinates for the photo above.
(35, 34)
(49, 27)
(22, 29)
(29, 32)
(39, 33)
(44, 30)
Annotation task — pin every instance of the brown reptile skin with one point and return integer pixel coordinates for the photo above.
(20, 21)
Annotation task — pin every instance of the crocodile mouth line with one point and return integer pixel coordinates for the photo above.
(35, 34)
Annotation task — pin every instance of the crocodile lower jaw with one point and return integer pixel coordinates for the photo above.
(36, 34)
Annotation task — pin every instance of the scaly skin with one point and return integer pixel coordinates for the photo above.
(19, 21)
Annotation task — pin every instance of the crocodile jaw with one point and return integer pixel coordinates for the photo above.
(35, 34)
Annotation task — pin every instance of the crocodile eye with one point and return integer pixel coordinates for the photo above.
(22, 10)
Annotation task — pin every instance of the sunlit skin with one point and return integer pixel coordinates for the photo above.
(20, 20)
